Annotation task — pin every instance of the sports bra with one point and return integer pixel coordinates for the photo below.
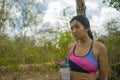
(85, 64)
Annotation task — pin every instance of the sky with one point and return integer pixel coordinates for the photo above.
(97, 12)
(52, 16)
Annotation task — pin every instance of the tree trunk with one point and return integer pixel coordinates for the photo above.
(2, 14)
(80, 7)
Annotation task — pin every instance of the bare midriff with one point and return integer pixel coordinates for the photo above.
(82, 76)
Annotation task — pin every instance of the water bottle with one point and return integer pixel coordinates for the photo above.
(64, 70)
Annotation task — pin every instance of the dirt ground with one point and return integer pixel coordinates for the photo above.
(30, 75)
(31, 72)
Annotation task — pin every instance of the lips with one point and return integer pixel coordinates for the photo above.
(75, 35)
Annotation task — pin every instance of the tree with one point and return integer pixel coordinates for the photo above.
(19, 14)
(113, 28)
(113, 3)
(27, 17)
(4, 15)
(80, 7)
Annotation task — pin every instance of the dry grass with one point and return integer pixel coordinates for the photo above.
(31, 75)
(32, 72)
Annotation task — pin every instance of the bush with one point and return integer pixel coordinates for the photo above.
(115, 72)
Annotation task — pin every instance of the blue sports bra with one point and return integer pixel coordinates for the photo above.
(85, 64)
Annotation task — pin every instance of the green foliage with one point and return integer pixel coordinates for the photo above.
(4, 14)
(12, 68)
(23, 50)
(113, 28)
(116, 67)
(6, 49)
(113, 3)
(53, 67)
(61, 48)
(113, 46)
(112, 42)
(19, 14)
(116, 72)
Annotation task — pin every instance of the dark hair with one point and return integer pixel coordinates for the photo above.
(85, 22)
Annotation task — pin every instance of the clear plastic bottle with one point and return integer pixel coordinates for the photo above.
(64, 70)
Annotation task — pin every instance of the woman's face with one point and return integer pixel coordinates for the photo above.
(78, 30)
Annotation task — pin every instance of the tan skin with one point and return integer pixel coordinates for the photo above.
(82, 48)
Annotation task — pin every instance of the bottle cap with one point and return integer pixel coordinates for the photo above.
(64, 64)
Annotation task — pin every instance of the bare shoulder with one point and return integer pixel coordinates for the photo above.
(101, 48)
(99, 44)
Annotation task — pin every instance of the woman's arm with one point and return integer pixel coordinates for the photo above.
(103, 62)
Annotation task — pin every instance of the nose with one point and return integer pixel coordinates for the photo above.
(74, 30)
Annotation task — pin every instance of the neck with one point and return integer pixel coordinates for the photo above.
(86, 39)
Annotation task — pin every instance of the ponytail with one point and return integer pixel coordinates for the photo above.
(90, 34)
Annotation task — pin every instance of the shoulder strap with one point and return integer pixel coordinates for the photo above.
(91, 44)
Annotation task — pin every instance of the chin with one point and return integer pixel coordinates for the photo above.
(77, 39)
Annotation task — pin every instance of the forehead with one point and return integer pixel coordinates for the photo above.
(75, 22)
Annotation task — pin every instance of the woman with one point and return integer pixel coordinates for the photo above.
(87, 57)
